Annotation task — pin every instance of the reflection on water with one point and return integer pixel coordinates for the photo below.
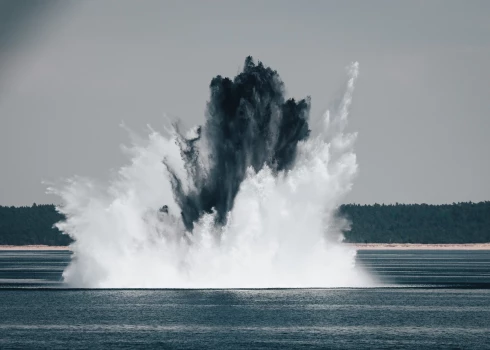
(441, 300)
(32, 268)
(457, 268)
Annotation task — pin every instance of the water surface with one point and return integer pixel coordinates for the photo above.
(432, 299)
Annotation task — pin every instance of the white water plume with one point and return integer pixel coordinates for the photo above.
(282, 232)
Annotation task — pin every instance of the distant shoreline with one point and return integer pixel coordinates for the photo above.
(358, 246)
(420, 246)
(33, 247)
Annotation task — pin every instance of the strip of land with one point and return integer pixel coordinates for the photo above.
(358, 246)
(33, 247)
(418, 246)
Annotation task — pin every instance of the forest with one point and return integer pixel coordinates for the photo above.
(379, 223)
(418, 223)
(31, 225)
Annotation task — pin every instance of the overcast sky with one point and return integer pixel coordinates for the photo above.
(70, 72)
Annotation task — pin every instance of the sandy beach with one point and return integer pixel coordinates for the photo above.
(33, 247)
(417, 246)
(359, 246)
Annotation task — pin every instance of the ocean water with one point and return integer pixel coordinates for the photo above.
(426, 300)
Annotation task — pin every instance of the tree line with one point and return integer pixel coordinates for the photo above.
(31, 225)
(379, 223)
(418, 223)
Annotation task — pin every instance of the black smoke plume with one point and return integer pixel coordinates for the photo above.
(249, 123)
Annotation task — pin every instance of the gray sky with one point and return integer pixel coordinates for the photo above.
(70, 72)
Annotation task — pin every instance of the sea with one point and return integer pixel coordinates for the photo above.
(428, 299)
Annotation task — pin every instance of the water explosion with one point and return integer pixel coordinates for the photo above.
(249, 200)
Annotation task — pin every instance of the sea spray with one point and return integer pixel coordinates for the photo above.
(247, 201)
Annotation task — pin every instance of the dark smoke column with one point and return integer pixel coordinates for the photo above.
(248, 123)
